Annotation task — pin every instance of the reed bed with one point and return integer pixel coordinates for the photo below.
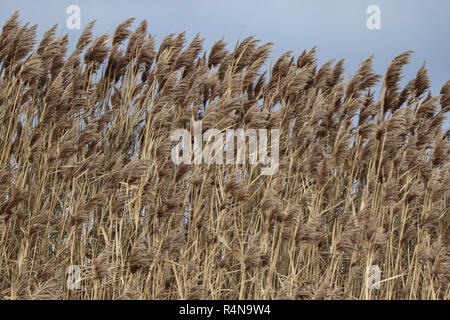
(87, 179)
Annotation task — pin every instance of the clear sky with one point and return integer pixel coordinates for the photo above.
(337, 28)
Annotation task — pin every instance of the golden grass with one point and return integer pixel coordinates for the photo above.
(86, 176)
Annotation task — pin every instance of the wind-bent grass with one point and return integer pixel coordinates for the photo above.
(86, 176)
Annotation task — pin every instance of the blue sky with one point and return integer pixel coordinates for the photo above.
(337, 28)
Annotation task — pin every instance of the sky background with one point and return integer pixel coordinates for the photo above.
(337, 28)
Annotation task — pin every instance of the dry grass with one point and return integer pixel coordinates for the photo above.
(86, 176)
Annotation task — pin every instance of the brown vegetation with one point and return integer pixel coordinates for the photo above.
(86, 176)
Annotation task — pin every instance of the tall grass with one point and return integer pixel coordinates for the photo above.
(87, 180)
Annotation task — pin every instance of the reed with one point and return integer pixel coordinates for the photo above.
(87, 180)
